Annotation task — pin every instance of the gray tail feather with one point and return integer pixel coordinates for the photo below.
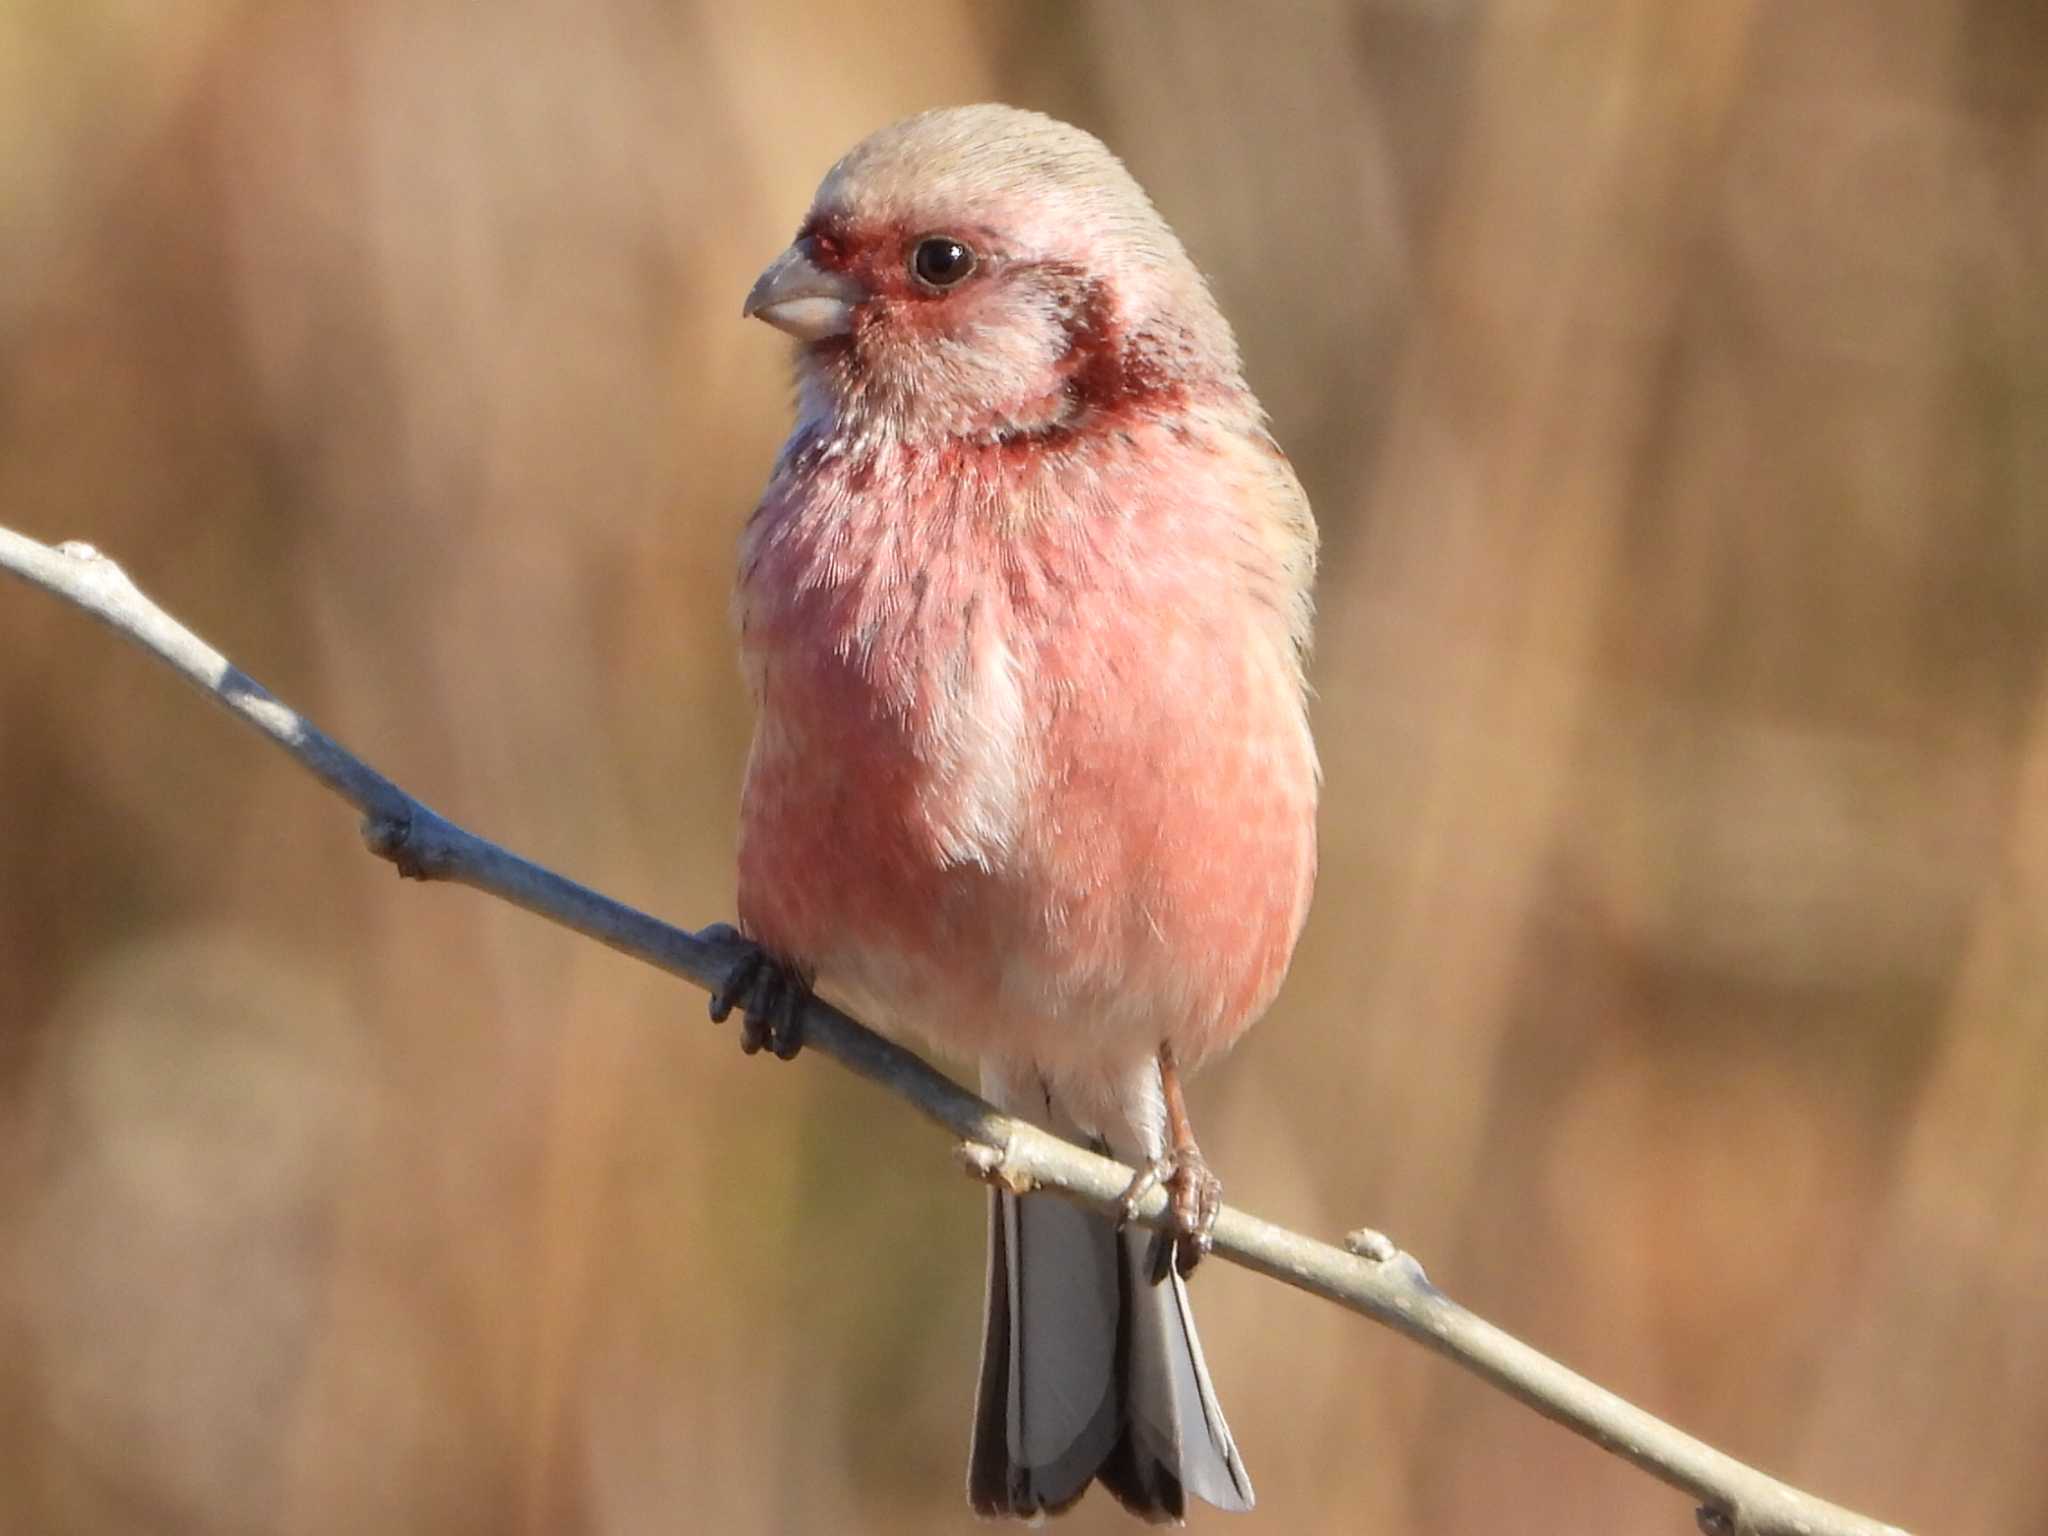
(1091, 1370)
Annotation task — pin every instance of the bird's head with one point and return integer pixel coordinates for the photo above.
(989, 274)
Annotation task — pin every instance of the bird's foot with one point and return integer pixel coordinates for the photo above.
(769, 993)
(1196, 1193)
(1193, 1196)
(1150, 1176)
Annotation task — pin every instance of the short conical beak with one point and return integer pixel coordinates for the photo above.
(797, 295)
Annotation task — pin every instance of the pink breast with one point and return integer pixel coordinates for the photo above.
(1157, 850)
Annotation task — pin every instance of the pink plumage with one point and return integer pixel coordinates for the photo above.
(1024, 610)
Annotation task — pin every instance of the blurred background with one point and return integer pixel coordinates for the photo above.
(1672, 384)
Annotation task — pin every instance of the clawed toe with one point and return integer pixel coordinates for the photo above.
(775, 1013)
(1194, 1195)
(1197, 1195)
(739, 980)
(737, 986)
(1148, 1178)
(770, 996)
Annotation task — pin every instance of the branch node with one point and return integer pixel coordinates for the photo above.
(389, 836)
(1717, 1521)
(1378, 1249)
(1368, 1244)
(102, 574)
(991, 1165)
(980, 1162)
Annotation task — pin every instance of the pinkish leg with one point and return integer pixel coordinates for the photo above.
(1196, 1192)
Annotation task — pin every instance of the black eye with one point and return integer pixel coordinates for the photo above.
(940, 262)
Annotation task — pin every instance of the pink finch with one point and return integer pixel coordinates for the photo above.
(1024, 611)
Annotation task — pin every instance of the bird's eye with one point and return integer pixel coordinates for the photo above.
(941, 262)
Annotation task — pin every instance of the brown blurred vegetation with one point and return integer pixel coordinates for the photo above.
(1672, 382)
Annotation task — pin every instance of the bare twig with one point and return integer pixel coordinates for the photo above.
(1369, 1275)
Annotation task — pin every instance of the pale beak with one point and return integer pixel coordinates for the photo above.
(797, 295)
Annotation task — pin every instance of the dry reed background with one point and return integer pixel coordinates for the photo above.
(1672, 382)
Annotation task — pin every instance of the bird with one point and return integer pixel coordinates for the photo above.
(1025, 613)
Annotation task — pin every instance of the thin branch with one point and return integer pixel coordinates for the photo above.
(1369, 1275)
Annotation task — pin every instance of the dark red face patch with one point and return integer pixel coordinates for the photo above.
(876, 254)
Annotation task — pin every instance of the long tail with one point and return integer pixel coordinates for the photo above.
(1090, 1369)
